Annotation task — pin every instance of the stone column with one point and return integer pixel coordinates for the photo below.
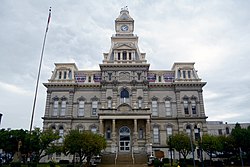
(148, 137)
(135, 136)
(113, 144)
(101, 127)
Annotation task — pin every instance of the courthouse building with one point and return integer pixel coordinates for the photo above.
(136, 108)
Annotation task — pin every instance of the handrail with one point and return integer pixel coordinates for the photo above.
(133, 158)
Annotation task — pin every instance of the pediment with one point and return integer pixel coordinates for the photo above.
(123, 46)
(124, 108)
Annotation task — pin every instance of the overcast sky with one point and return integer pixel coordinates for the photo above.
(213, 34)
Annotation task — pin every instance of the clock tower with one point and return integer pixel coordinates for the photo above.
(124, 24)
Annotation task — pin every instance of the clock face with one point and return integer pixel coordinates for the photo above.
(124, 28)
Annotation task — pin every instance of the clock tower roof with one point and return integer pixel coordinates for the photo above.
(124, 15)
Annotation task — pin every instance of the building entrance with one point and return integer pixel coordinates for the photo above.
(124, 143)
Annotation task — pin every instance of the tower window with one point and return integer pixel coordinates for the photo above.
(130, 55)
(55, 108)
(154, 108)
(184, 74)
(193, 107)
(124, 55)
(94, 108)
(185, 105)
(189, 74)
(63, 108)
(119, 56)
(65, 75)
(60, 75)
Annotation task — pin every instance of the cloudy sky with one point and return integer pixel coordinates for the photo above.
(213, 34)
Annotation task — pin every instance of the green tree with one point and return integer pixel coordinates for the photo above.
(181, 143)
(86, 144)
(42, 143)
(210, 144)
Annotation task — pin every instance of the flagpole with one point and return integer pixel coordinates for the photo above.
(39, 71)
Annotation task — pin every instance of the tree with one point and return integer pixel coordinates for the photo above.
(42, 143)
(181, 142)
(86, 144)
(210, 144)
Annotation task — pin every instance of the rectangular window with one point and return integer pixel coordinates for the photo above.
(94, 108)
(168, 108)
(108, 134)
(185, 104)
(60, 75)
(110, 76)
(169, 131)
(81, 108)
(63, 108)
(189, 74)
(184, 74)
(61, 135)
(220, 131)
(109, 103)
(159, 78)
(139, 76)
(140, 103)
(194, 107)
(65, 75)
(119, 56)
(154, 108)
(130, 55)
(156, 135)
(55, 108)
(140, 133)
(89, 79)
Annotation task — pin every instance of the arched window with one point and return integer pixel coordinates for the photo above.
(227, 131)
(124, 96)
(61, 133)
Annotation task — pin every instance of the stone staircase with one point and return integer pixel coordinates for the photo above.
(123, 160)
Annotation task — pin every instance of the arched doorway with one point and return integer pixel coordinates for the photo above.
(124, 143)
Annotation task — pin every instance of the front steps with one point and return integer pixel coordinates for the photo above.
(124, 160)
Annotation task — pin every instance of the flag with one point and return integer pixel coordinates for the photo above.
(80, 78)
(48, 19)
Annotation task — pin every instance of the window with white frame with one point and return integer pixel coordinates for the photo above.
(81, 108)
(55, 107)
(185, 105)
(168, 108)
(61, 133)
(124, 96)
(140, 133)
(94, 108)
(154, 108)
(139, 103)
(63, 107)
(156, 137)
(169, 131)
(193, 105)
(109, 103)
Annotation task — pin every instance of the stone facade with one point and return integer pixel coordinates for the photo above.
(135, 108)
